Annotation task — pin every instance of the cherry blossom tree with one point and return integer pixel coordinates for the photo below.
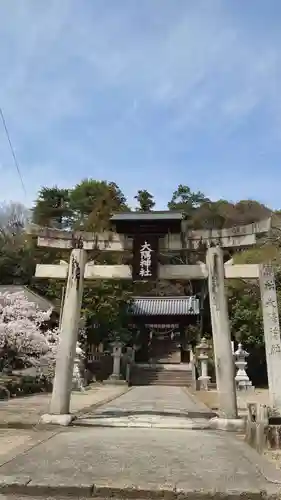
(24, 339)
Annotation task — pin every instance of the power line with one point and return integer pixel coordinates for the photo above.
(12, 150)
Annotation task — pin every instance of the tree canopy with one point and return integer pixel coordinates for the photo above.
(145, 201)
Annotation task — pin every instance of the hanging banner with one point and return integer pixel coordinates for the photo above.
(145, 257)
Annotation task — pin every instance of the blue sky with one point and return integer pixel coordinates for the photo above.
(149, 94)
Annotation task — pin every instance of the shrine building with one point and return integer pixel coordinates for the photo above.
(164, 349)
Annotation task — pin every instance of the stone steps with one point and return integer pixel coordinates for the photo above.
(156, 376)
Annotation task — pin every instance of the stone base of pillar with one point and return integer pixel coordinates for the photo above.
(244, 386)
(227, 424)
(63, 420)
(115, 380)
(204, 383)
(115, 376)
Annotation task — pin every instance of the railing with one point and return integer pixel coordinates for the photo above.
(99, 365)
(95, 356)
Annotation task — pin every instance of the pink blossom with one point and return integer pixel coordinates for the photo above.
(21, 335)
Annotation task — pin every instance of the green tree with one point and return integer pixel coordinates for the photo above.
(207, 216)
(145, 201)
(185, 200)
(92, 203)
(247, 326)
(106, 306)
(52, 208)
(245, 305)
(223, 214)
(249, 211)
(16, 252)
(245, 313)
(88, 206)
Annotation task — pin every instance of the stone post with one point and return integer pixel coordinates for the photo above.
(130, 361)
(116, 353)
(193, 368)
(271, 334)
(221, 334)
(191, 353)
(203, 357)
(242, 380)
(60, 401)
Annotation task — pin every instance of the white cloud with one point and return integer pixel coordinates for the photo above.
(84, 83)
(60, 49)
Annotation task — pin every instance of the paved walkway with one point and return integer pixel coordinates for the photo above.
(113, 462)
(119, 460)
(25, 412)
(150, 406)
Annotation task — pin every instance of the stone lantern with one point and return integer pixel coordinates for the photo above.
(242, 380)
(78, 381)
(203, 349)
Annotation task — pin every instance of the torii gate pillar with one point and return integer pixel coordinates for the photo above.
(221, 333)
(60, 401)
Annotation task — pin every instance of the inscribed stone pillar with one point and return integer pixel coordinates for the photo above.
(271, 334)
(221, 333)
(60, 401)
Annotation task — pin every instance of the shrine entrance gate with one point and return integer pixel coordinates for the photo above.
(149, 236)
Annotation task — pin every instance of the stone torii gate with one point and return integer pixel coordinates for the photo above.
(214, 270)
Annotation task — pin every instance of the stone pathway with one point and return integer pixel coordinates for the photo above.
(136, 462)
(25, 412)
(150, 406)
(115, 461)
(14, 442)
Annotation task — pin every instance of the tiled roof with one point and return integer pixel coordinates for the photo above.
(164, 215)
(42, 303)
(165, 306)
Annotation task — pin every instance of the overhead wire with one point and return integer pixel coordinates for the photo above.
(12, 150)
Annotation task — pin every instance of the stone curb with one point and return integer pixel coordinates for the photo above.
(25, 486)
(31, 425)
(140, 425)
